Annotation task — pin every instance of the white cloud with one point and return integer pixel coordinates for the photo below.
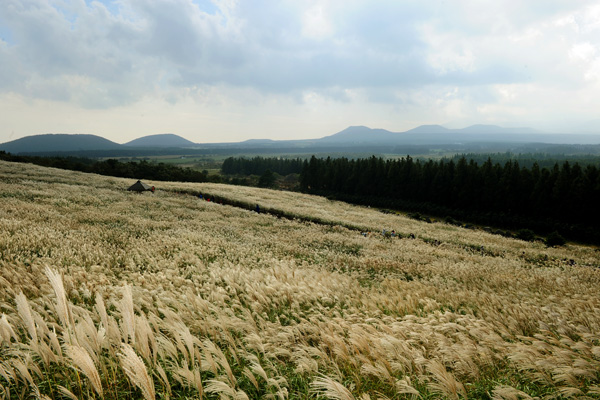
(388, 61)
(583, 51)
(316, 24)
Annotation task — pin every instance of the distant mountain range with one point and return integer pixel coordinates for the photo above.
(354, 137)
(161, 140)
(430, 134)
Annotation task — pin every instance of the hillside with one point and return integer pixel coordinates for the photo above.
(58, 143)
(161, 140)
(111, 294)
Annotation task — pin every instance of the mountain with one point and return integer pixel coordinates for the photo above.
(58, 143)
(360, 134)
(161, 140)
(439, 135)
(429, 129)
(258, 142)
(475, 138)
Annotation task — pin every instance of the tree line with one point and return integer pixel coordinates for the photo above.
(564, 197)
(259, 165)
(543, 160)
(112, 167)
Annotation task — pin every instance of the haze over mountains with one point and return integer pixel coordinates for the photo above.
(161, 140)
(349, 138)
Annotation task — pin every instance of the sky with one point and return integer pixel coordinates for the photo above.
(231, 70)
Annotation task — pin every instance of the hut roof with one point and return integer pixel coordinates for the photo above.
(139, 186)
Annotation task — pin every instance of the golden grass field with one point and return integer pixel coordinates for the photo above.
(109, 294)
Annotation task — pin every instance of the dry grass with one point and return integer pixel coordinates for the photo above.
(136, 371)
(83, 362)
(109, 294)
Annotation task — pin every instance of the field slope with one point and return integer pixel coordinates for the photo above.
(115, 295)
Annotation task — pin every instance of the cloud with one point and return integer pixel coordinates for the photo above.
(396, 55)
(273, 46)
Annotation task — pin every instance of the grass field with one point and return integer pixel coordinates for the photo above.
(110, 294)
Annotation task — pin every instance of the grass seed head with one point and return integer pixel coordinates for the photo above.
(134, 368)
(83, 362)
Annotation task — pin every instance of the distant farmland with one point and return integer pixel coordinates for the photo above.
(115, 295)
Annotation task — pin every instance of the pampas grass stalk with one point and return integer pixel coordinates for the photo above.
(504, 392)
(136, 371)
(66, 393)
(163, 378)
(248, 374)
(224, 390)
(24, 311)
(38, 395)
(145, 342)
(62, 306)
(331, 389)
(404, 386)
(6, 331)
(84, 363)
(7, 372)
(101, 309)
(444, 382)
(127, 315)
(23, 371)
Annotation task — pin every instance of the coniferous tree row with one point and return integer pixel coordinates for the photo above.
(566, 195)
(259, 165)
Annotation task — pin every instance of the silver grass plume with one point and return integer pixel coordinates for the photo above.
(62, 306)
(331, 389)
(127, 315)
(38, 395)
(504, 392)
(24, 311)
(66, 393)
(444, 381)
(145, 342)
(84, 363)
(101, 309)
(23, 371)
(404, 386)
(136, 371)
(6, 331)
(163, 377)
(7, 372)
(224, 390)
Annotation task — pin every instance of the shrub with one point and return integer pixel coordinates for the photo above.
(525, 234)
(555, 239)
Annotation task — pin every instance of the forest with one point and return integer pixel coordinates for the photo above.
(259, 165)
(564, 197)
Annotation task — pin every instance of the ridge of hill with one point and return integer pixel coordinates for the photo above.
(429, 129)
(361, 134)
(55, 142)
(161, 140)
